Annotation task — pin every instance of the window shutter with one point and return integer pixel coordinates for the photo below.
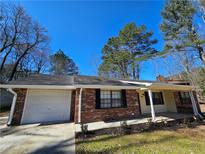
(124, 100)
(147, 98)
(97, 98)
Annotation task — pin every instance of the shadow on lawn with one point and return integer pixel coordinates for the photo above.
(139, 143)
(142, 142)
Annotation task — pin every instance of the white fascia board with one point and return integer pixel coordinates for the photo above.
(171, 87)
(107, 87)
(138, 83)
(166, 86)
(67, 87)
(37, 86)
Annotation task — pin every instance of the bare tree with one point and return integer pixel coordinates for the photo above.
(11, 30)
(19, 36)
(34, 38)
(40, 60)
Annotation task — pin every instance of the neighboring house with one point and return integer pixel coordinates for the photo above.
(177, 79)
(85, 99)
(181, 78)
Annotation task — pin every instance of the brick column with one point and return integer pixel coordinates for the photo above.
(76, 105)
(18, 110)
(72, 114)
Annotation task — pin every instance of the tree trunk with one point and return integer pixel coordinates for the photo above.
(138, 72)
(4, 59)
(15, 66)
(133, 71)
(201, 53)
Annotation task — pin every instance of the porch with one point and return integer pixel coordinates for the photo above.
(142, 119)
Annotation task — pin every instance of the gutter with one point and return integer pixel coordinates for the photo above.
(37, 86)
(12, 106)
(139, 83)
(164, 86)
(79, 107)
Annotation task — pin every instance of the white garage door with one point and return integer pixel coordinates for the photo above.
(47, 106)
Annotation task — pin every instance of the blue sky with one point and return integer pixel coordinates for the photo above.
(81, 29)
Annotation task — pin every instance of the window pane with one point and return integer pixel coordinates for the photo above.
(116, 103)
(185, 97)
(157, 98)
(105, 94)
(116, 94)
(110, 99)
(105, 99)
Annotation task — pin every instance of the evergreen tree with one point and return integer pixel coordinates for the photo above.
(181, 32)
(61, 64)
(137, 42)
(121, 54)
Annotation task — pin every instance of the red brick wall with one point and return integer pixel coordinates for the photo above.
(89, 113)
(77, 91)
(182, 108)
(18, 110)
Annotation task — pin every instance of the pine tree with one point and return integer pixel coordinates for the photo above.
(180, 30)
(61, 64)
(122, 54)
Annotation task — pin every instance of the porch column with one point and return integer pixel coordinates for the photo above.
(195, 109)
(151, 105)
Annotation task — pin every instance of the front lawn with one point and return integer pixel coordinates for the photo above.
(178, 140)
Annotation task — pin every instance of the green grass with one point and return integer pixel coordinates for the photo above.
(180, 141)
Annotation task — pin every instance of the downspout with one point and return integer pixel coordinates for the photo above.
(195, 109)
(12, 106)
(79, 106)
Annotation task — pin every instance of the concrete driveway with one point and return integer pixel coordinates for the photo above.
(38, 139)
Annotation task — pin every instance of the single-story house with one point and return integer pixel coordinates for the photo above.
(86, 99)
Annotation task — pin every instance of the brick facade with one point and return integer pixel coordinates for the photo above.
(89, 113)
(182, 108)
(18, 110)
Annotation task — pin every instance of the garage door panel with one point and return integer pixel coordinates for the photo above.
(47, 106)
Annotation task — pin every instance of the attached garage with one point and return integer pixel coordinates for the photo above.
(43, 106)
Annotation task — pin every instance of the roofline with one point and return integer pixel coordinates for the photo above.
(145, 84)
(136, 82)
(36, 86)
(67, 87)
(171, 87)
(107, 87)
(165, 86)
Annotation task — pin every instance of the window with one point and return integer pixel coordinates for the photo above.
(111, 99)
(185, 97)
(157, 98)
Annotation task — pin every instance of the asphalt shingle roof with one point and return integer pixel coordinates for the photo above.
(43, 79)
